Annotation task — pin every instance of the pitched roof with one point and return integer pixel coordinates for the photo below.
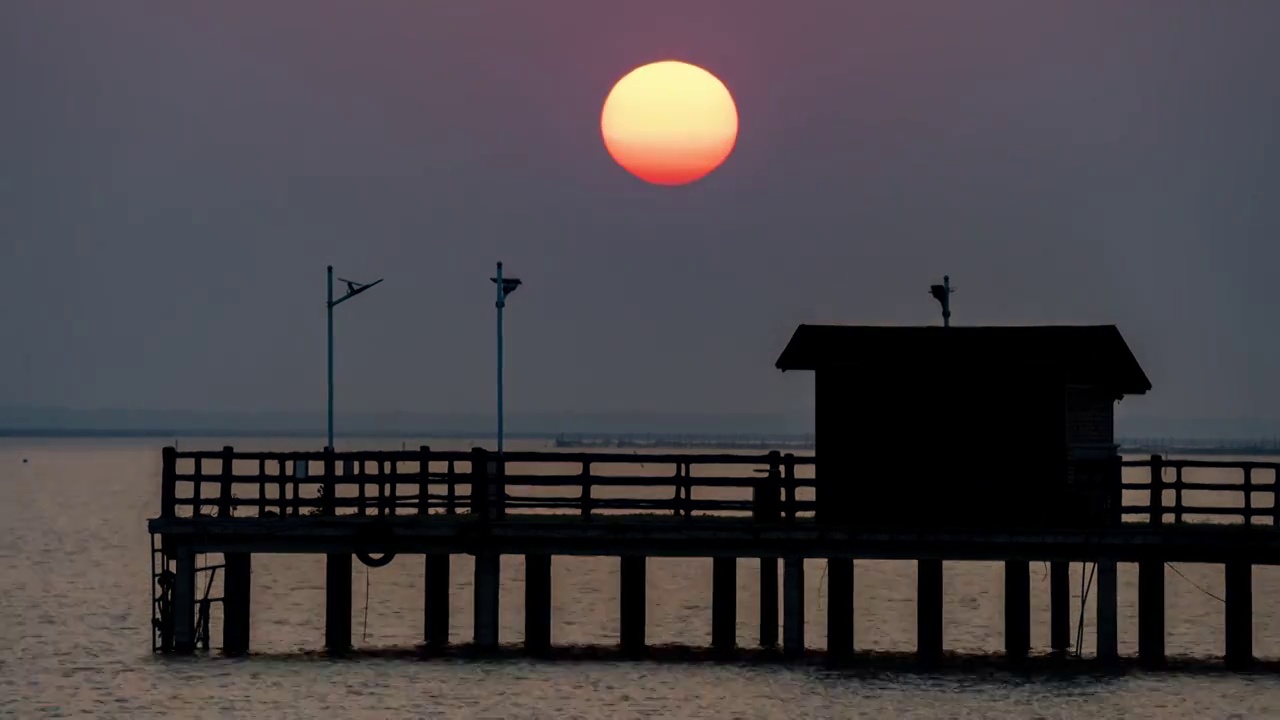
(1095, 355)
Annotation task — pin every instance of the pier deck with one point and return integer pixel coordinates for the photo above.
(379, 506)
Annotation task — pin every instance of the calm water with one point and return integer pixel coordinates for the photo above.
(75, 638)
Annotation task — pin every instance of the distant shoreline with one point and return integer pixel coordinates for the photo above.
(1196, 447)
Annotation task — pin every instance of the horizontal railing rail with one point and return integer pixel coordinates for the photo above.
(766, 487)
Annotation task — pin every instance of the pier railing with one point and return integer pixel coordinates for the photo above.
(228, 483)
(1162, 491)
(766, 486)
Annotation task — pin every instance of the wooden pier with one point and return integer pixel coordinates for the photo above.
(380, 507)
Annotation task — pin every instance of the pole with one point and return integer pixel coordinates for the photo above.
(946, 301)
(499, 304)
(329, 308)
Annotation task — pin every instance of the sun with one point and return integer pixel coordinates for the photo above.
(669, 122)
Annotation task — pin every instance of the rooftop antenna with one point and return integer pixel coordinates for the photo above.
(942, 293)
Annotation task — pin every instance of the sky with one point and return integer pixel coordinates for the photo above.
(175, 177)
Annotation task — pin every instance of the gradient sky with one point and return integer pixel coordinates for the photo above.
(174, 176)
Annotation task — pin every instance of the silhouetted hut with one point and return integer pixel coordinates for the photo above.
(966, 426)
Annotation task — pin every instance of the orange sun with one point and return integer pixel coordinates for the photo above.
(669, 122)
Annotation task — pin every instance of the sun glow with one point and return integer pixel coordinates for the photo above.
(669, 123)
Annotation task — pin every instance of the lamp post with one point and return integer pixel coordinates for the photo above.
(353, 289)
(505, 286)
(942, 293)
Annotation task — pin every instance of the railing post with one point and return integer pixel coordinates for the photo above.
(224, 491)
(1248, 495)
(498, 488)
(1157, 490)
(329, 502)
(424, 479)
(1177, 494)
(168, 479)
(789, 474)
(765, 495)
(480, 482)
(1115, 490)
(586, 489)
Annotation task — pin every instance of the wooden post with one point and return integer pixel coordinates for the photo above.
(328, 505)
(480, 483)
(766, 507)
(184, 602)
(537, 603)
(633, 601)
(1157, 490)
(435, 606)
(765, 495)
(1239, 577)
(724, 603)
(236, 604)
(168, 478)
(1017, 608)
(424, 480)
(1151, 612)
(1108, 625)
(929, 609)
(1248, 495)
(769, 602)
(337, 604)
(840, 607)
(1060, 606)
(789, 480)
(224, 483)
(487, 590)
(793, 606)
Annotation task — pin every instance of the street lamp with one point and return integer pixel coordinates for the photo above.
(353, 289)
(942, 293)
(505, 286)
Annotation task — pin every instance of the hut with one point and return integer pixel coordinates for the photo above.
(925, 427)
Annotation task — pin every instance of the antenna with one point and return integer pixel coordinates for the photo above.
(942, 293)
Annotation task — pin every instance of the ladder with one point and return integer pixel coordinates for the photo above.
(163, 579)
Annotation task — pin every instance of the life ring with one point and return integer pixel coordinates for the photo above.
(372, 537)
(375, 562)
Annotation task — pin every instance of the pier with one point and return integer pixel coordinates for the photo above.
(422, 506)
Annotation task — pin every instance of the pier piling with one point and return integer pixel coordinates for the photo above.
(724, 603)
(768, 602)
(929, 610)
(1239, 631)
(840, 607)
(1151, 612)
(1059, 607)
(633, 587)
(1106, 597)
(337, 603)
(487, 588)
(793, 606)
(236, 604)
(537, 603)
(184, 602)
(435, 608)
(1017, 608)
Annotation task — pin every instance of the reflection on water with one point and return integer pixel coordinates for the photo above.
(74, 629)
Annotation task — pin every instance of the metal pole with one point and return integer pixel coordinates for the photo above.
(500, 304)
(329, 308)
(946, 301)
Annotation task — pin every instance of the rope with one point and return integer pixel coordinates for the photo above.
(364, 633)
(1194, 584)
(1085, 587)
(821, 581)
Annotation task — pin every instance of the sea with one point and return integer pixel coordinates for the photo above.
(75, 637)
